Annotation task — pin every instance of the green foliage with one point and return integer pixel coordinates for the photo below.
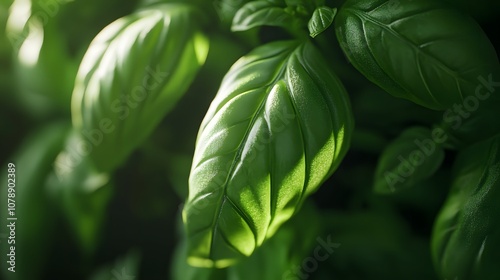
(467, 230)
(322, 19)
(35, 215)
(37, 46)
(224, 129)
(132, 74)
(279, 126)
(257, 13)
(443, 57)
(411, 158)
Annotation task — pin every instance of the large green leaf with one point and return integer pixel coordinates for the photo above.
(411, 158)
(421, 50)
(466, 235)
(181, 136)
(134, 72)
(279, 126)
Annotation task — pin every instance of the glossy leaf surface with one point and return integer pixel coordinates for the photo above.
(322, 19)
(278, 127)
(422, 50)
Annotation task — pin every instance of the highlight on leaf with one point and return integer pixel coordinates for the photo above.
(133, 73)
(279, 126)
(322, 19)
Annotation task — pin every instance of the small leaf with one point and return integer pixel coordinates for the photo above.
(322, 18)
(411, 158)
(258, 13)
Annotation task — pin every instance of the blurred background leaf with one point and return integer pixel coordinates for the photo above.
(122, 225)
(81, 193)
(48, 39)
(36, 216)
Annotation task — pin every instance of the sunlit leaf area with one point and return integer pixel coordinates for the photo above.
(249, 140)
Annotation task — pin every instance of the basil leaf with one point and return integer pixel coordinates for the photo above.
(465, 238)
(133, 73)
(322, 19)
(436, 65)
(36, 225)
(411, 158)
(279, 126)
(258, 13)
(178, 138)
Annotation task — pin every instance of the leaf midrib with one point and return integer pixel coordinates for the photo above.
(365, 17)
(224, 196)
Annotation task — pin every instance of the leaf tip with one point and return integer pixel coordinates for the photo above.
(321, 19)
